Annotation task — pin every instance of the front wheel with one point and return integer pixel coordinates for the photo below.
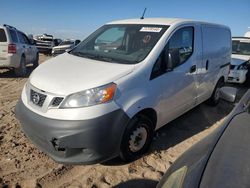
(215, 98)
(137, 138)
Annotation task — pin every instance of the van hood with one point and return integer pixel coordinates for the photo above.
(67, 74)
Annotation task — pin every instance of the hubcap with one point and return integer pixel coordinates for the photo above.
(138, 139)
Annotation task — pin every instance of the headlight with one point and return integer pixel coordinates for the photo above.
(175, 180)
(90, 97)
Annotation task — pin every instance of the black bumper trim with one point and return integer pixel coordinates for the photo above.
(227, 64)
(74, 142)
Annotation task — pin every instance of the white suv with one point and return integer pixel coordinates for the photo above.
(240, 64)
(16, 50)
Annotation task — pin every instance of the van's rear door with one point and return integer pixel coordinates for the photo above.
(3, 46)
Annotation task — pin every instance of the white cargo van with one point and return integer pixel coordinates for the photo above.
(106, 97)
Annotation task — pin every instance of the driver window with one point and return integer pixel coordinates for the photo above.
(182, 43)
(179, 47)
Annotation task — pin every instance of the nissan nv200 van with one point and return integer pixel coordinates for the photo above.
(107, 96)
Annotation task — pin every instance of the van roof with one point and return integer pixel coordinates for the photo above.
(161, 21)
(156, 21)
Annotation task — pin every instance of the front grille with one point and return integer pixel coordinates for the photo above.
(230, 78)
(37, 98)
(57, 101)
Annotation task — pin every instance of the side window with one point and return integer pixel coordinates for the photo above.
(181, 43)
(13, 36)
(26, 40)
(20, 37)
(2, 36)
(178, 49)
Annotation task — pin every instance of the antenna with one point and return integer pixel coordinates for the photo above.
(143, 14)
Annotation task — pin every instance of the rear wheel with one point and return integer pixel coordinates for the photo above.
(215, 98)
(21, 70)
(137, 138)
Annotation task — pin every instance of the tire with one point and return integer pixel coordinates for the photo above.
(137, 138)
(215, 97)
(21, 70)
(36, 62)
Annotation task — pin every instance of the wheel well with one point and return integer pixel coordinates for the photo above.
(221, 79)
(151, 114)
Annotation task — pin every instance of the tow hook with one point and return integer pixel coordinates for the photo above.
(55, 144)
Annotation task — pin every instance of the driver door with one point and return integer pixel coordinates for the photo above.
(174, 73)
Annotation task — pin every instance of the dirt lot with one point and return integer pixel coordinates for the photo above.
(22, 165)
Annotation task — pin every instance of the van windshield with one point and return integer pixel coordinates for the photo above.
(241, 47)
(126, 44)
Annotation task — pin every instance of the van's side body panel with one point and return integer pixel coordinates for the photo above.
(175, 92)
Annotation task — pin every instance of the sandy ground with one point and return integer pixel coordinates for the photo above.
(22, 165)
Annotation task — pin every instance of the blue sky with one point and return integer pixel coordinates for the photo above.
(77, 19)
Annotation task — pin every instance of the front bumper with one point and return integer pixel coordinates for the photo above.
(74, 142)
(238, 80)
(237, 76)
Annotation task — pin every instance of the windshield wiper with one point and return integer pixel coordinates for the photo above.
(92, 56)
(99, 57)
(80, 54)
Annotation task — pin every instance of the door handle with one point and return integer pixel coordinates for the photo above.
(207, 63)
(193, 69)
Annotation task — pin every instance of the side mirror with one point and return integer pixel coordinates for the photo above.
(173, 58)
(77, 42)
(228, 93)
(32, 42)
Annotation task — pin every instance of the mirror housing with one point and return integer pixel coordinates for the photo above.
(173, 58)
(228, 93)
(31, 39)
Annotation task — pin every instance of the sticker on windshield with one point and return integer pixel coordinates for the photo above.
(151, 29)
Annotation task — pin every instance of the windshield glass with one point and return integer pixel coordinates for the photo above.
(127, 44)
(66, 43)
(241, 47)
